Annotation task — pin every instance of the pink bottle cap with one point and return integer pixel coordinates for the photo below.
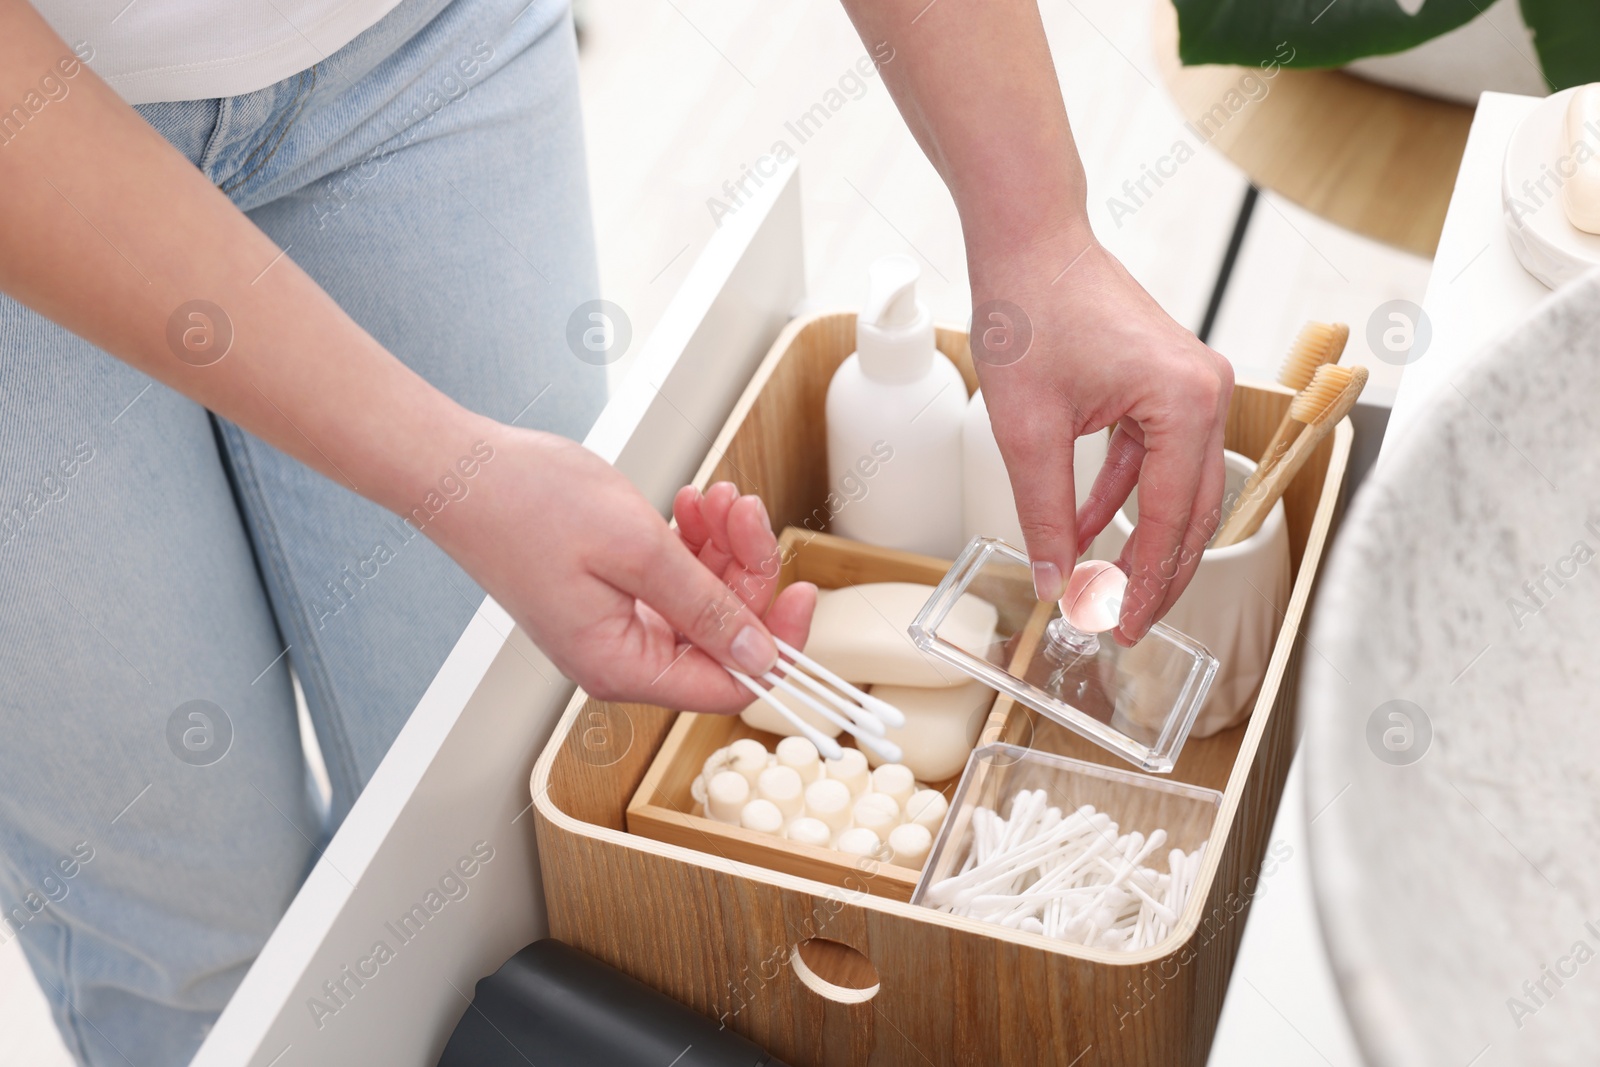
(1093, 601)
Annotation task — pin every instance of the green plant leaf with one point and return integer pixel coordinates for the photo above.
(1318, 33)
(1566, 33)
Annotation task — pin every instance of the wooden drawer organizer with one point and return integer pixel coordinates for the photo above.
(792, 962)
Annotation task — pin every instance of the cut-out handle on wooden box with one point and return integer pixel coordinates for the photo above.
(835, 971)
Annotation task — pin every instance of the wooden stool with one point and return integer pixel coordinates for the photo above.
(1376, 160)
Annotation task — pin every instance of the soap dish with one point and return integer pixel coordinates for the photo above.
(1138, 702)
(1549, 247)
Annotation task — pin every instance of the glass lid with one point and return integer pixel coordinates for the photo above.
(1139, 702)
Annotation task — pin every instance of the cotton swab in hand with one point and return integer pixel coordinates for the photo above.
(865, 737)
(865, 717)
(826, 745)
(884, 711)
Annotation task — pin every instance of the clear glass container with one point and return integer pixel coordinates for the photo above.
(1139, 702)
(995, 774)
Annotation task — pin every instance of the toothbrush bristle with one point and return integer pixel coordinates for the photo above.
(1318, 343)
(1326, 384)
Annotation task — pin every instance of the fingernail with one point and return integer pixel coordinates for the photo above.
(1047, 581)
(754, 651)
(766, 519)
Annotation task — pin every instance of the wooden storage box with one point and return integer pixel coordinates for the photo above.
(827, 975)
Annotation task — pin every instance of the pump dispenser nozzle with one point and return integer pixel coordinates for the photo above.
(894, 333)
(892, 292)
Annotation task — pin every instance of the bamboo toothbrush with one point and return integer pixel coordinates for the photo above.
(1318, 344)
(1330, 396)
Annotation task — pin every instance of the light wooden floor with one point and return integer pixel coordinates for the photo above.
(680, 95)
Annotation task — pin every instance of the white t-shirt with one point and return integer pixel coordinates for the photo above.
(150, 50)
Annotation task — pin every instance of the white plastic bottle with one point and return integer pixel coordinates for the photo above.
(988, 507)
(894, 413)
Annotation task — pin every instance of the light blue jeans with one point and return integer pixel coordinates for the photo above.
(156, 563)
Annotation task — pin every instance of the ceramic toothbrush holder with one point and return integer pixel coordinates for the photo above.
(1232, 606)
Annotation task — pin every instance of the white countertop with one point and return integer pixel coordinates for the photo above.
(1478, 289)
(1283, 1009)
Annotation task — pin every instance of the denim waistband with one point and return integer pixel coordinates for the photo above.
(427, 48)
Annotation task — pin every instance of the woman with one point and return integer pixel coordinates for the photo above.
(358, 234)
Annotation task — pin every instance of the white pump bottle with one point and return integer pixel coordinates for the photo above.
(894, 412)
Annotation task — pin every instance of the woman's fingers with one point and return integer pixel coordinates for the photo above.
(1180, 490)
(754, 575)
(691, 605)
(708, 514)
(714, 507)
(1203, 521)
(675, 674)
(1112, 486)
(658, 569)
(791, 613)
(1168, 480)
(1039, 455)
(750, 537)
(692, 528)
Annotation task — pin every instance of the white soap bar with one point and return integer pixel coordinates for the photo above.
(801, 755)
(927, 808)
(909, 845)
(1580, 195)
(859, 633)
(851, 769)
(942, 726)
(859, 842)
(783, 787)
(761, 816)
(726, 795)
(809, 831)
(878, 812)
(760, 715)
(749, 757)
(895, 780)
(828, 801)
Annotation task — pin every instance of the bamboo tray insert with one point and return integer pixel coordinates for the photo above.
(662, 807)
(824, 975)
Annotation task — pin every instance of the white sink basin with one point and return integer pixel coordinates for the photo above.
(1457, 867)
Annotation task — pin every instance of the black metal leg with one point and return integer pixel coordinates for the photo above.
(1220, 289)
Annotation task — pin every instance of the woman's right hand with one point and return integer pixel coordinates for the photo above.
(623, 605)
(559, 538)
